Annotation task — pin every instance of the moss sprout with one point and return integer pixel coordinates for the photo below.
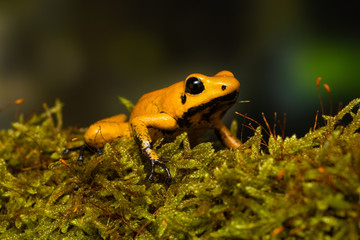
(297, 188)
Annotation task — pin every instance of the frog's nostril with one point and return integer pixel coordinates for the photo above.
(223, 87)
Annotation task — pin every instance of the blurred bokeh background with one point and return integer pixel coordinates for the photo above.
(89, 52)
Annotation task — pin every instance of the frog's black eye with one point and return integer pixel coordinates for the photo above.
(194, 86)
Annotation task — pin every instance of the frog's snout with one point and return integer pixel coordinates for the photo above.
(230, 85)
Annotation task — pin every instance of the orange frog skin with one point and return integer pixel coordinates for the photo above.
(194, 106)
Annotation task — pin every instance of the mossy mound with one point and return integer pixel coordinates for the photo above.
(297, 188)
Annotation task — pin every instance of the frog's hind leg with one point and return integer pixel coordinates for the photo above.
(106, 130)
(119, 118)
(101, 132)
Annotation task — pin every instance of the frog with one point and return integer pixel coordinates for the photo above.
(194, 105)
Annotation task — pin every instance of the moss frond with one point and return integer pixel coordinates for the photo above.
(304, 187)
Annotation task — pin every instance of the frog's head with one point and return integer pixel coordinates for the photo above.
(222, 88)
(209, 94)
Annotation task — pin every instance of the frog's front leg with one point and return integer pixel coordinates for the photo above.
(140, 125)
(224, 134)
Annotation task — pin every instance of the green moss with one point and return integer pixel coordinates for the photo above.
(297, 188)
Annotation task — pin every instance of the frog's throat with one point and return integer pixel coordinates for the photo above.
(226, 100)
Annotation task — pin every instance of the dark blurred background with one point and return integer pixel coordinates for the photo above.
(89, 52)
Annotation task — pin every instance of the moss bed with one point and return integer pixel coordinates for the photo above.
(294, 188)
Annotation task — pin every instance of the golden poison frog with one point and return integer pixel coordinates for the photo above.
(194, 106)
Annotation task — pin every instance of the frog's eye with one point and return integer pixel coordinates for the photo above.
(194, 86)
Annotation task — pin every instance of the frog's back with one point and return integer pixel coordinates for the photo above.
(158, 101)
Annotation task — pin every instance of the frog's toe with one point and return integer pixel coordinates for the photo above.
(164, 160)
(66, 151)
(168, 180)
(81, 150)
(167, 171)
(150, 178)
(160, 163)
(80, 158)
(99, 151)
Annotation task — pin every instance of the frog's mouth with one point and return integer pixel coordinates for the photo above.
(221, 103)
(231, 97)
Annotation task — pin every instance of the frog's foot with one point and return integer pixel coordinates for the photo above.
(81, 150)
(160, 163)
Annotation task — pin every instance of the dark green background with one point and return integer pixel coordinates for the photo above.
(89, 52)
